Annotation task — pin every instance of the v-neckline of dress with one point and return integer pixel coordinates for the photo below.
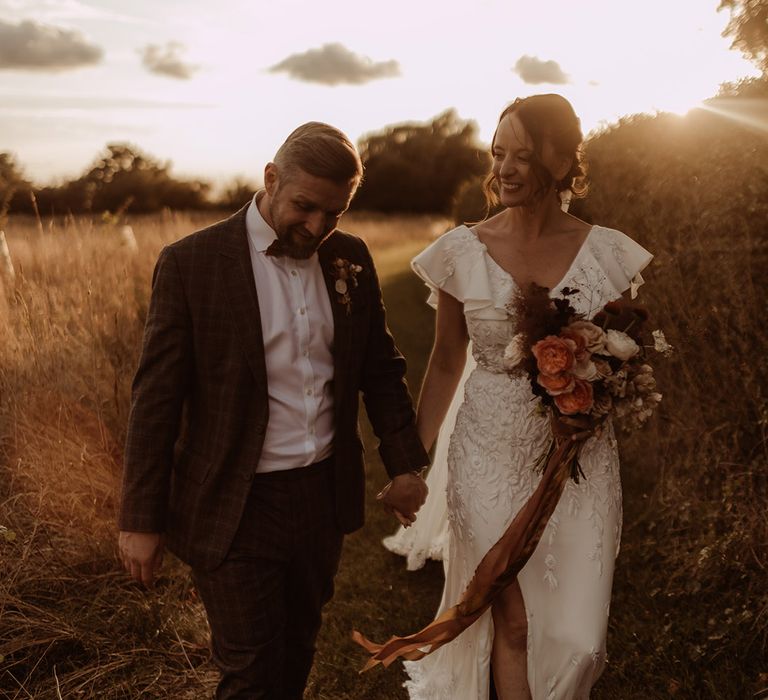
(511, 277)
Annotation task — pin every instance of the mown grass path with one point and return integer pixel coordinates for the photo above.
(374, 592)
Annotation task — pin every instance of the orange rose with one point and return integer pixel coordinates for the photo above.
(556, 384)
(554, 355)
(578, 401)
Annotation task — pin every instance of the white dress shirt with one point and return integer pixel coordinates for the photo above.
(297, 324)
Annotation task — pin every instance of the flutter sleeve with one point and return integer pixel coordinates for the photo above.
(623, 260)
(436, 265)
(456, 263)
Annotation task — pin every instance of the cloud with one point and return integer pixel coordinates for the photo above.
(31, 46)
(534, 71)
(166, 61)
(333, 64)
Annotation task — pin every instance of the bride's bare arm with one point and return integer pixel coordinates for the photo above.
(446, 364)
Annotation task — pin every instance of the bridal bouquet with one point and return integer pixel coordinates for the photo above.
(584, 371)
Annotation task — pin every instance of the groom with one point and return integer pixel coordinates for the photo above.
(243, 453)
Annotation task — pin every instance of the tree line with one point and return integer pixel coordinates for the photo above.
(435, 167)
(416, 167)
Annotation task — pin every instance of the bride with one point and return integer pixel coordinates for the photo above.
(544, 636)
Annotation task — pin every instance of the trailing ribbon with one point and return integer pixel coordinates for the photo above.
(503, 561)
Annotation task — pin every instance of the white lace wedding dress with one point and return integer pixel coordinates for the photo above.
(491, 450)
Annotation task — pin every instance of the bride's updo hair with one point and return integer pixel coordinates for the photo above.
(547, 118)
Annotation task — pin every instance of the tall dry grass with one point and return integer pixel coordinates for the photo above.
(70, 325)
(692, 586)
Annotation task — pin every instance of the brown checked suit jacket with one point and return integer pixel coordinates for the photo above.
(200, 409)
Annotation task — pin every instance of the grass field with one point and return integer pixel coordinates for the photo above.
(690, 608)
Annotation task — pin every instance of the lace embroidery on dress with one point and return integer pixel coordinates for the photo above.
(455, 249)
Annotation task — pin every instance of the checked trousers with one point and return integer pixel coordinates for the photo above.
(264, 601)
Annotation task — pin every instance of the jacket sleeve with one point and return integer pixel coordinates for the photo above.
(160, 387)
(385, 392)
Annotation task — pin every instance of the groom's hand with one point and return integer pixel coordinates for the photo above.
(404, 495)
(141, 554)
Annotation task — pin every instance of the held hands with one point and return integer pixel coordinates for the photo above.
(403, 496)
(142, 555)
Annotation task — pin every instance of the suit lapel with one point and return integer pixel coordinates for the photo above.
(342, 328)
(240, 290)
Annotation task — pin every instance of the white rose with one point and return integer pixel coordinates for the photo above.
(585, 370)
(514, 353)
(620, 345)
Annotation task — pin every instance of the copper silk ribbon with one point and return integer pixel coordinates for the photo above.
(501, 564)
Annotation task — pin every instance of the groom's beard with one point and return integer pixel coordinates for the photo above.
(296, 242)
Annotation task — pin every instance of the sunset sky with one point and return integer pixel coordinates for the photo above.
(216, 86)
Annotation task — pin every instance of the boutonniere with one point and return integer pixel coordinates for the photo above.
(345, 273)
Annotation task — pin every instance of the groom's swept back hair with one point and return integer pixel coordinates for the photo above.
(320, 150)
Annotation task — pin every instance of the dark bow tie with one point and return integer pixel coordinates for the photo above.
(275, 249)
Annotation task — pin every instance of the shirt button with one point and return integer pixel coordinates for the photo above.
(302, 311)
(294, 273)
(306, 353)
(309, 392)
